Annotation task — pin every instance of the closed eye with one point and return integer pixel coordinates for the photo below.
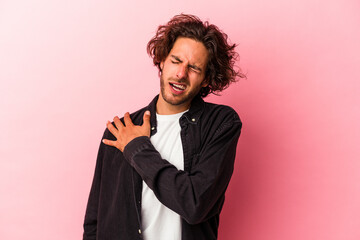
(175, 59)
(195, 68)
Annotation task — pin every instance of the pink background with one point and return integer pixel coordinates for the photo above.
(66, 67)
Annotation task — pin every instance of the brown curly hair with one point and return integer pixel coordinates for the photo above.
(220, 70)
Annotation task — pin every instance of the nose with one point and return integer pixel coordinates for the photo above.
(181, 72)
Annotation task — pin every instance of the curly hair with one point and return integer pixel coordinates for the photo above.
(220, 70)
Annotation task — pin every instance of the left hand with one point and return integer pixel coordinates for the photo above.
(125, 133)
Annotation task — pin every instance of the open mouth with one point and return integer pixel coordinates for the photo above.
(178, 87)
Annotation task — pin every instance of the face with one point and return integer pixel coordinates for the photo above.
(183, 73)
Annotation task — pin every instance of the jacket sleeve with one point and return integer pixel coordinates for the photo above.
(90, 221)
(195, 196)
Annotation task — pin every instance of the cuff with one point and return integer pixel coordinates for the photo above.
(134, 146)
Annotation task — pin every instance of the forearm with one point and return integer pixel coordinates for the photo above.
(195, 195)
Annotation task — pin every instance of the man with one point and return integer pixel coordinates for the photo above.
(162, 172)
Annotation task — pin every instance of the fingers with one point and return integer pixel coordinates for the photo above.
(111, 127)
(127, 120)
(127, 131)
(109, 142)
(146, 119)
(118, 123)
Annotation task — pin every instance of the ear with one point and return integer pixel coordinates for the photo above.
(161, 65)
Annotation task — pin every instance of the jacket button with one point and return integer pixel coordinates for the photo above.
(193, 119)
(139, 231)
(153, 128)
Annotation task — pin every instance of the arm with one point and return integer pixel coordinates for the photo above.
(90, 221)
(195, 196)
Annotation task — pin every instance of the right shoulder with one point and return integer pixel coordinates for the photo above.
(136, 117)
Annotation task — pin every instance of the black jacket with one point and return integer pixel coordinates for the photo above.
(209, 135)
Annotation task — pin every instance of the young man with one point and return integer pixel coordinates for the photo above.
(162, 172)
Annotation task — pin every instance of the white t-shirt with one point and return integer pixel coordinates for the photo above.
(158, 221)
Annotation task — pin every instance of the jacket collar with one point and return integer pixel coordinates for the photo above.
(192, 116)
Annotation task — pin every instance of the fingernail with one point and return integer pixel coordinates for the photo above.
(147, 112)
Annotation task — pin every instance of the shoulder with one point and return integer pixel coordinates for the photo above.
(136, 117)
(223, 113)
(219, 119)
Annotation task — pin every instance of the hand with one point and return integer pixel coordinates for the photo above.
(124, 134)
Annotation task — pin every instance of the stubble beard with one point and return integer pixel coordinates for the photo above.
(188, 97)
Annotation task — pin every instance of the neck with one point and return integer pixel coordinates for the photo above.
(164, 108)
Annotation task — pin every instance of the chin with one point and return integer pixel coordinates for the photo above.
(175, 100)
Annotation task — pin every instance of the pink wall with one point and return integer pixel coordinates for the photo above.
(66, 67)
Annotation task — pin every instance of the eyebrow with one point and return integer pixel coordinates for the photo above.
(190, 65)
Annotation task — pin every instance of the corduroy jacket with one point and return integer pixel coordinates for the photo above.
(209, 135)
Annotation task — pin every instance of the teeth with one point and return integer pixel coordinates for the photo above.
(182, 87)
